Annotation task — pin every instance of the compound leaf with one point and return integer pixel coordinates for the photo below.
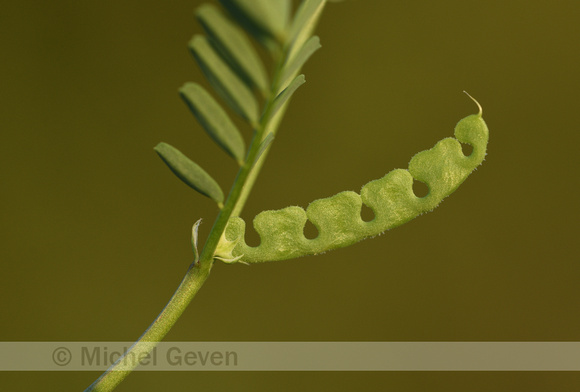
(261, 17)
(264, 145)
(234, 46)
(286, 94)
(224, 80)
(303, 24)
(292, 68)
(214, 120)
(189, 172)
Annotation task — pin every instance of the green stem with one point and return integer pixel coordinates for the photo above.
(189, 286)
(199, 271)
(272, 127)
(268, 125)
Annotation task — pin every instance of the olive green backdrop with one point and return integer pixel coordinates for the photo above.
(95, 229)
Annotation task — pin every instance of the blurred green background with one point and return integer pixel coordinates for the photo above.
(95, 229)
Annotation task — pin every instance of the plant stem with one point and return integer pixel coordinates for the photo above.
(268, 125)
(189, 286)
(199, 270)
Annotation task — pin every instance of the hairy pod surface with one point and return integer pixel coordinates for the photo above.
(338, 218)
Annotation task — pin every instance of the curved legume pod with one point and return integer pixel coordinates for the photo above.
(338, 218)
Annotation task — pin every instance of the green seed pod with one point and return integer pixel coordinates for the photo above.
(338, 218)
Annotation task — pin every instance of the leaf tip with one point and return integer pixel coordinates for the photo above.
(159, 147)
